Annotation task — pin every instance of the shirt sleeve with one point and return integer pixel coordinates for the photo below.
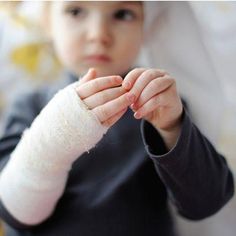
(196, 176)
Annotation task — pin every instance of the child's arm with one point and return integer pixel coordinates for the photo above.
(35, 176)
(196, 176)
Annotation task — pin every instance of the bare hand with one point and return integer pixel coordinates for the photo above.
(156, 100)
(104, 96)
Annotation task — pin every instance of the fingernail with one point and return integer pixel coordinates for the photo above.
(118, 79)
(137, 115)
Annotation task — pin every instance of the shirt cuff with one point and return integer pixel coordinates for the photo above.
(155, 146)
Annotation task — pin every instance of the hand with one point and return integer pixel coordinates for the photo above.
(156, 100)
(104, 96)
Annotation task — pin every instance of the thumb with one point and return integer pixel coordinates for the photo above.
(91, 74)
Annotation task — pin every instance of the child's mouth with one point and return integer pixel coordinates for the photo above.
(97, 58)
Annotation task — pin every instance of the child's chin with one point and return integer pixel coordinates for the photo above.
(101, 71)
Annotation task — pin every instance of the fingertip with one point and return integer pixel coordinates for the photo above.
(137, 115)
(132, 106)
(92, 72)
(126, 85)
(118, 79)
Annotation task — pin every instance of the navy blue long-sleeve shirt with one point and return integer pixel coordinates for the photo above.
(121, 186)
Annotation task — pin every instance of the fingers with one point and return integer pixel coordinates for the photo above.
(155, 87)
(131, 77)
(91, 74)
(111, 121)
(143, 79)
(148, 107)
(109, 109)
(104, 96)
(97, 85)
(166, 99)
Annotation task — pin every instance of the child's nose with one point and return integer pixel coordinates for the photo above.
(99, 31)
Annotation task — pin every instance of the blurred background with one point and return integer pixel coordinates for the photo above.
(27, 61)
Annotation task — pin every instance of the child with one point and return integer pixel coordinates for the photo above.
(81, 166)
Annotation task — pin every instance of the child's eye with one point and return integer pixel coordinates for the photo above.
(75, 11)
(124, 14)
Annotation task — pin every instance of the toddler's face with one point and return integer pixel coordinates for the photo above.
(103, 35)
